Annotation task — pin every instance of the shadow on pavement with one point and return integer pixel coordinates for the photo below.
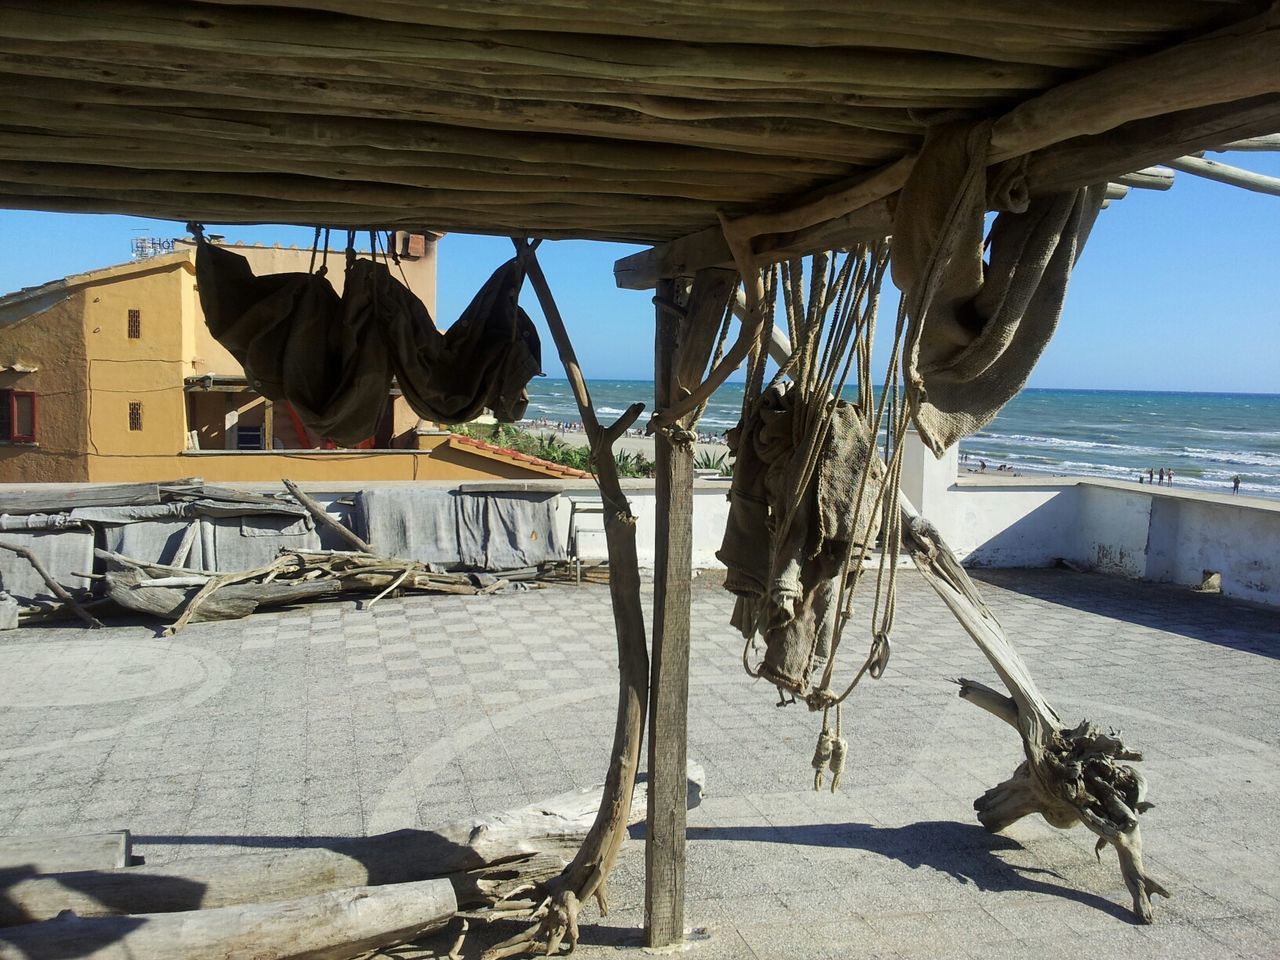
(964, 851)
(1201, 616)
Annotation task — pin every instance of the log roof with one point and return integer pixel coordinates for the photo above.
(585, 118)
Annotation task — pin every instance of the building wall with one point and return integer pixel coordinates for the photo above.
(437, 461)
(52, 340)
(148, 370)
(90, 371)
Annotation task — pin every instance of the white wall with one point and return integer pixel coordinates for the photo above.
(1155, 533)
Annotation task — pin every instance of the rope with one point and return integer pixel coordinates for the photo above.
(822, 752)
(839, 750)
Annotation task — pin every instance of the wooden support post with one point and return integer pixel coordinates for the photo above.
(268, 425)
(669, 674)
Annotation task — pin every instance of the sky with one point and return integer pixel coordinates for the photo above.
(1176, 290)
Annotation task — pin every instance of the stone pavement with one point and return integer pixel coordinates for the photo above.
(327, 721)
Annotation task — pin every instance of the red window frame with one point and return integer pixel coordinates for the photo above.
(14, 435)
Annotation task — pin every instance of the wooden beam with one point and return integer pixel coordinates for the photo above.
(1268, 143)
(1225, 173)
(668, 677)
(1148, 178)
(1180, 80)
(687, 255)
(1230, 65)
(1087, 160)
(995, 30)
(351, 42)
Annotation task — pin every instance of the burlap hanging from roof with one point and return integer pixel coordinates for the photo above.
(332, 359)
(976, 330)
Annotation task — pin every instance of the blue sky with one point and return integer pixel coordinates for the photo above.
(1176, 291)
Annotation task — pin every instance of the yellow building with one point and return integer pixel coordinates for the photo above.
(112, 376)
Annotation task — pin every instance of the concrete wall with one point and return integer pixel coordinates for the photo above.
(1127, 529)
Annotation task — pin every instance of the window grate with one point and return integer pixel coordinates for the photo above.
(135, 415)
(135, 324)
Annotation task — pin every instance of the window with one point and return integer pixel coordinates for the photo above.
(135, 415)
(135, 324)
(17, 416)
(249, 438)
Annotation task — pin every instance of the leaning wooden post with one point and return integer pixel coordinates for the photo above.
(669, 664)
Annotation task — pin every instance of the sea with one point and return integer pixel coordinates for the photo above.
(1204, 438)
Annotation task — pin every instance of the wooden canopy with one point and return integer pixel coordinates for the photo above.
(592, 118)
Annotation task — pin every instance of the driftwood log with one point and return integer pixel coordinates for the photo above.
(186, 596)
(57, 589)
(488, 860)
(55, 853)
(325, 926)
(1071, 774)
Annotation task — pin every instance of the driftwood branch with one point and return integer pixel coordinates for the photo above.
(1070, 775)
(322, 516)
(187, 596)
(585, 877)
(54, 586)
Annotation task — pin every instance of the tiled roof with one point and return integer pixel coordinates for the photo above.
(472, 444)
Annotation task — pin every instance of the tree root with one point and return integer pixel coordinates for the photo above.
(1076, 778)
(556, 921)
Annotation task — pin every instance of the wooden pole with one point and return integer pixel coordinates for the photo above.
(1225, 173)
(669, 673)
(54, 586)
(321, 516)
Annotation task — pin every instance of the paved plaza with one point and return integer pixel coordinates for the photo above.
(329, 721)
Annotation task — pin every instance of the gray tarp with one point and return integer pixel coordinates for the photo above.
(62, 552)
(153, 541)
(478, 531)
(243, 543)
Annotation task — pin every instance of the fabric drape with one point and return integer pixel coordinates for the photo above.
(787, 582)
(333, 358)
(975, 330)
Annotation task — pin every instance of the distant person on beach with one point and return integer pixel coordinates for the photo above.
(1162, 476)
(1235, 483)
(1151, 475)
(1169, 474)
(982, 466)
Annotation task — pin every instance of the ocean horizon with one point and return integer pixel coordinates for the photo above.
(1205, 438)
